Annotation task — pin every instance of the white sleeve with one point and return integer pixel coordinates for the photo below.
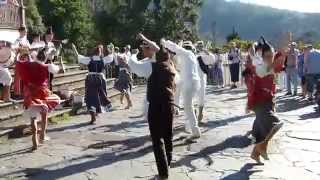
(142, 69)
(175, 47)
(108, 59)
(54, 69)
(83, 59)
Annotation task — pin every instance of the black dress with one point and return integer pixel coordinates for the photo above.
(96, 96)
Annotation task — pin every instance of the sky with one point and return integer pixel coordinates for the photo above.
(310, 6)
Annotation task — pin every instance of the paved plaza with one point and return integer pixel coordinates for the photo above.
(118, 147)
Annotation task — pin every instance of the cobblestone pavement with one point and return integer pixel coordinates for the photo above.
(119, 148)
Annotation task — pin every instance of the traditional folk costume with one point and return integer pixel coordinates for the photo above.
(35, 77)
(96, 96)
(123, 83)
(160, 95)
(140, 68)
(190, 75)
(124, 79)
(6, 59)
(261, 88)
(18, 85)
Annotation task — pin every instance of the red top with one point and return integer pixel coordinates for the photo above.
(33, 73)
(260, 89)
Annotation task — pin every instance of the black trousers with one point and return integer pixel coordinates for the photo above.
(160, 118)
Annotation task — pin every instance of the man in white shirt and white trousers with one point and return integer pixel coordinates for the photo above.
(191, 81)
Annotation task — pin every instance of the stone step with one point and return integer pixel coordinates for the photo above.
(12, 110)
(16, 123)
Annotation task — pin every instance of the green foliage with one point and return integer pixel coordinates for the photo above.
(69, 19)
(33, 18)
(233, 36)
(85, 22)
(317, 45)
(175, 19)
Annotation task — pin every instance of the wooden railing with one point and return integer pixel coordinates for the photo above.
(10, 16)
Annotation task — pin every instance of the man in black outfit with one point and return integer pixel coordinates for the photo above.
(160, 94)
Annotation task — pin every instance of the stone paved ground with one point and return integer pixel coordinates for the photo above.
(119, 148)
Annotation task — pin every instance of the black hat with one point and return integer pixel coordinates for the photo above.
(49, 30)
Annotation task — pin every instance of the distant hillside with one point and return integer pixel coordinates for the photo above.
(218, 18)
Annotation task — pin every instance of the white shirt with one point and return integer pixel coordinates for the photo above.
(21, 42)
(51, 52)
(38, 45)
(208, 59)
(52, 68)
(86, 60)
(189, 62)
(141, 68)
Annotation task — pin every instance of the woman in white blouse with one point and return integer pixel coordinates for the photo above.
(96, 97)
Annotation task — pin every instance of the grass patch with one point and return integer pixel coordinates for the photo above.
(60, 119)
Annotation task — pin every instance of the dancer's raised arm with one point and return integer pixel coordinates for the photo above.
(152, 45)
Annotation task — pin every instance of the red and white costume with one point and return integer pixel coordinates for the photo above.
(35, 76)
(261, 85)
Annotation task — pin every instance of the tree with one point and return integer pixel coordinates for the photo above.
(69, 19)
(33, 18)
(174, 19)
(233, 36)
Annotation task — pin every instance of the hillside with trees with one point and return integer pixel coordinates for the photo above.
(86, 22)
(219, 18)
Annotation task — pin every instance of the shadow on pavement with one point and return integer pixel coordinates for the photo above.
(244, 173)
(232, 142)
(285, 104)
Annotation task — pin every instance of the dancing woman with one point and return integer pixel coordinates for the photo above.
(260, 80)
(96, 97)
(38, 99)
(124, 80)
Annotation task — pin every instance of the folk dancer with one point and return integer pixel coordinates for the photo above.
(96, 96)
(149, 49)
(189, 73)
(22, 41)
(38, 99)
(260, 80)
(124, 80)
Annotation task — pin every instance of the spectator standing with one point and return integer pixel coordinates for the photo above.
(292, 69)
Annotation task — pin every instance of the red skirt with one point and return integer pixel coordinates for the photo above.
(41, 97)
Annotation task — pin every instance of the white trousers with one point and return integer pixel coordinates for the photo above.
(202, 91)
(189, 92)
(145, 108)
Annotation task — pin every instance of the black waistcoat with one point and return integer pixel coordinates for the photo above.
(161, 84)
